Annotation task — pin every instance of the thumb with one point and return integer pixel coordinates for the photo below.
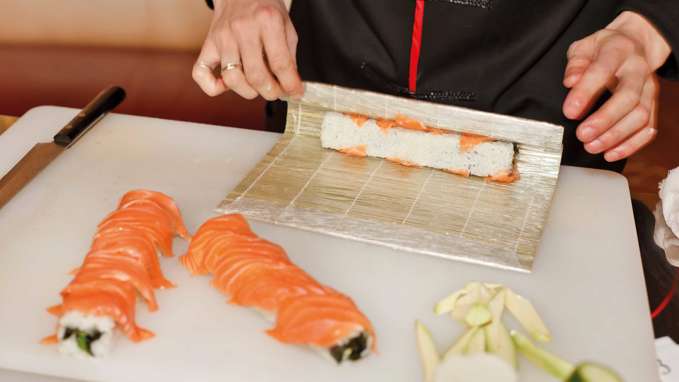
(580, 55)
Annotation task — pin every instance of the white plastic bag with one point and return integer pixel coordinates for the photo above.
(666, 233)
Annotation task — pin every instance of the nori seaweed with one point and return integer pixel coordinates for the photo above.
(82, 338)
(354, 347)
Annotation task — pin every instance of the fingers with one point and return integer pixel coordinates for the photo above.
(580, 55)
(234, 78)
(280, 58)
(644, 133)
(203, 70)
(255, 44)
(627, 121)
(574, 70)
(256, 71)
(633, 122)
(625, 99)
(633, 144)
(594, 81)
(248, 36)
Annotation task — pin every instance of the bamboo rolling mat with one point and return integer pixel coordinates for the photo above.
(422, 210)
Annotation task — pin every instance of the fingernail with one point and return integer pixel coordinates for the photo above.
(572, 109)
(612, 156)
(594, 147)
(586, 133)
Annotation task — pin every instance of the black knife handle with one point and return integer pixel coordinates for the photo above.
(90, 115)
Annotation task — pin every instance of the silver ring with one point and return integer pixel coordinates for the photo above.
(231, 66)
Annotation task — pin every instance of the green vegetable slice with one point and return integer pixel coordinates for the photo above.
(428, 354)
(546, 361)
(83, 342)
(498, 340)
(477, 343)
(478, 315)
(590, 372)
(460, 346)
(499, 343)
(84, 339)
(476, 293)
(448, 304)
(562, 370)
(497, 304)
(528, 317)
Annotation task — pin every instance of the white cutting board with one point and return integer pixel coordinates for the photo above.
(587, 280)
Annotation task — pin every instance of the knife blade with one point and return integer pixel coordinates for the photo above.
(43, 153)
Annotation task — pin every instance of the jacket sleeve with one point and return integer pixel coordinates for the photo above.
(664, 14)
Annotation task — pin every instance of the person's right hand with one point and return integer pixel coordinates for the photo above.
(258, 36)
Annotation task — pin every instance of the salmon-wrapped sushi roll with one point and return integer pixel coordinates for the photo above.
(167, 204)
(328, 322)
(121, 265)
(258, 274)
(222, 230)
(89, 313)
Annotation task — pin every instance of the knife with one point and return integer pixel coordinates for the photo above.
(45, 152)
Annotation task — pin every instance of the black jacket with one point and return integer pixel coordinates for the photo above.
(496, 55)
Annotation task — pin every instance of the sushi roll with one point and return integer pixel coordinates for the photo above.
(121, 265)
(80, 334)
(411, 143)
(258, 274)
(330, 323)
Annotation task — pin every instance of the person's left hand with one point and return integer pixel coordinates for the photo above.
(622, 58)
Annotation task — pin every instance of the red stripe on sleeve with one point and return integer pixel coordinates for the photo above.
(416, 45)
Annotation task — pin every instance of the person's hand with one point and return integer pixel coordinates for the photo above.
(253, 44)
(622, 58)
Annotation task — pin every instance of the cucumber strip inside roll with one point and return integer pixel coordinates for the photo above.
(83, 338)
(353, 349)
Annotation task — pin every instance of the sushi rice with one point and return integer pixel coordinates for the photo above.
(418, 148)
(77, 321)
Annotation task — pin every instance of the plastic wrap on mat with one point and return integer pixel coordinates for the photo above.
(300, 184)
